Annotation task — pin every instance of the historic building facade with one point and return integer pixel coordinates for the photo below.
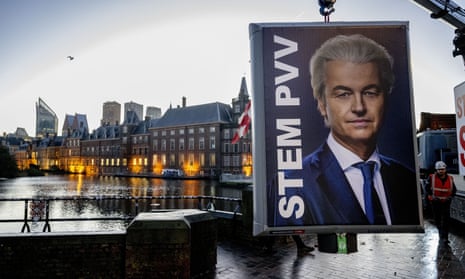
(196, 140)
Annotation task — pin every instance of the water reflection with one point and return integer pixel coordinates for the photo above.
(126, 198)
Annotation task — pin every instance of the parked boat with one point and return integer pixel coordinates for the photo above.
(172, 173)
(229, 178)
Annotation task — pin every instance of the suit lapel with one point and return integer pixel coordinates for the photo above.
(390, 179)
(343, 204)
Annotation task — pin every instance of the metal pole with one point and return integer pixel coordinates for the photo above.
(25, 225)
(47, 224)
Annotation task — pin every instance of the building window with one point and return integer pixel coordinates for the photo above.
(163, 145)
(237, 108)
(181, 131)
(226, 147)
(246, 160)
(154, 159)
(155, 145)
(202, 159)
(163, 133)
(212, 160)
(212, 142)
(181, 159)
(172, 144)
(191, 159)
(236, 161)
(226, 134)
(181, 144)
(212, 129)
(172, 132)
(172, 160)
(163, 159)
(226, 161)
(155, 133)
(201, 143)
(191, 144)
(191, 131)
(201, 130)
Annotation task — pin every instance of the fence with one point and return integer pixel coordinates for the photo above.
(38, 209)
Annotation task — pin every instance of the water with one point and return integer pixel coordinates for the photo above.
(119, 189)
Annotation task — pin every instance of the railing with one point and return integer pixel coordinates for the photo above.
(38, 209)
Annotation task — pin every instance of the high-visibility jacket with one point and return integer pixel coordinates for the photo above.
(442, 190)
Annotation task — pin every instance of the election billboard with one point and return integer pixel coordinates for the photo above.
(459, 94)
(333, 128)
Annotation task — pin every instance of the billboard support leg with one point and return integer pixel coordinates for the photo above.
(342, 243)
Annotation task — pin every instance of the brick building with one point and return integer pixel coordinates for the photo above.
(193, 139)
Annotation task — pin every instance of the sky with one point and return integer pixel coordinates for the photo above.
(154, 52)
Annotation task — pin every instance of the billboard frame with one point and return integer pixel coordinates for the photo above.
(261, 88)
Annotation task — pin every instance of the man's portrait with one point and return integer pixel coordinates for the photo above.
(344, 130)
(346, 180)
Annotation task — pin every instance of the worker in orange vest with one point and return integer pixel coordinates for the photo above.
(440, 189)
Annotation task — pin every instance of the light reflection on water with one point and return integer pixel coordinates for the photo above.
(53, 186)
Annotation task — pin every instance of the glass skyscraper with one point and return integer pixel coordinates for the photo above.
(46, 120)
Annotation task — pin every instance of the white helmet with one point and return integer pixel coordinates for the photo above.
(440, 165)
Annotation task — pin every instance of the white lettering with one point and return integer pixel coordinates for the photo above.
(283, 97)
(292, 72)
(291, 47)
(284, 183)
(287, 161)
(289, 134)
(286, 139)
(286, 208)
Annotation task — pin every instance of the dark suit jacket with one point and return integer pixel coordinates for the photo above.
(329, 199)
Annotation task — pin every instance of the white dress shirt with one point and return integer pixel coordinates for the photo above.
(346, 160)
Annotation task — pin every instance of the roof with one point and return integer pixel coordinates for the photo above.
(106, 132)
(143, 127)
(131, 118)
(195, 115)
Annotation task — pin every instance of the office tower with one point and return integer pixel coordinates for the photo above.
(153, 112)
(132, 108)
(46, 120)
(111, 114)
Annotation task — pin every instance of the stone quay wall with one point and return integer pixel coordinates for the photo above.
(170, 244)
(65, 255)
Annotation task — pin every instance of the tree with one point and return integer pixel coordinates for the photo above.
(8, 167)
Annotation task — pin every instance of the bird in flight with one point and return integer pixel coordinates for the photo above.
(70, 57)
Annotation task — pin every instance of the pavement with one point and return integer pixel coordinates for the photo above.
(378, 256)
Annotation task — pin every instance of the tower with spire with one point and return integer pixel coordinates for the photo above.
(239, 103)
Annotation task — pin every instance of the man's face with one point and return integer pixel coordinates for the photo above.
(441, 172)
(354, 102)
